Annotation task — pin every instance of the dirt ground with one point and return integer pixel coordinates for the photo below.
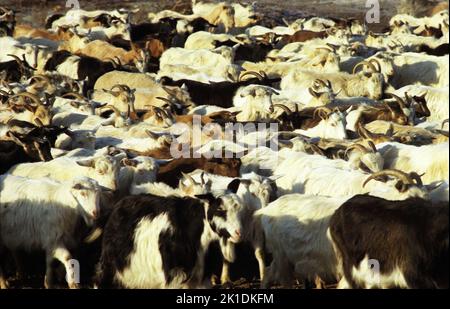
(35, 11)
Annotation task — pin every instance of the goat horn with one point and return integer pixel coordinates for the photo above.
(374, 60)
(73, 94)
(322, 109)
(38, 122)
(33, 97)
(284, 107)
(15, 58)
(202, 178)
(263, 74)
(325, 48)
(4, 93)
(362, 63)
(407, 97)
(151, 134)
(391, 172)
(321, 82)
(111, 107)
(333, 47)
(444, 122)
(356, 146)
(417, 178)
(372, 145)
(122, 88)
(40, 77)
(389, 107)
(399, 100)
(164, 99)
(362, 131)
(314, 93)
(256, 74)
(316, 149)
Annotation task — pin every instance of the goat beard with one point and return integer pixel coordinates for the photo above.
(228, 250)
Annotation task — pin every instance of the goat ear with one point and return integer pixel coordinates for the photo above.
(433, 186)
(86, 163)
(390, 130)
(233, 186)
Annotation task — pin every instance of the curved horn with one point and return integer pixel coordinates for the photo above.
(263, 74)
(40, 77)
(320, 110)
(362, 131)
(374, 60)
(444, 122)
(38, 122)
(284, 108)
(416, 178)
(356, 146)
(151, 134)
(33, 97)
(362, 63)
(333, 47)
(15, 58)
(391, 172)
(316, 149)
(314, 93)
(389, 108)
(321, 82)
(325, 48)
(122, 87)
(400, 101)
(164, 99)
(4, 93)
(372, 146)
(111, 107)
(73, 94)
(256, 74)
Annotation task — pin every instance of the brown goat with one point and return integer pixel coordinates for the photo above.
(171, 173)
(303, 36)
(24, 30)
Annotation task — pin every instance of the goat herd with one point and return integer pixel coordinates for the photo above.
(94, 107)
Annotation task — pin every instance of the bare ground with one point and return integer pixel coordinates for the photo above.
(35, 11)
